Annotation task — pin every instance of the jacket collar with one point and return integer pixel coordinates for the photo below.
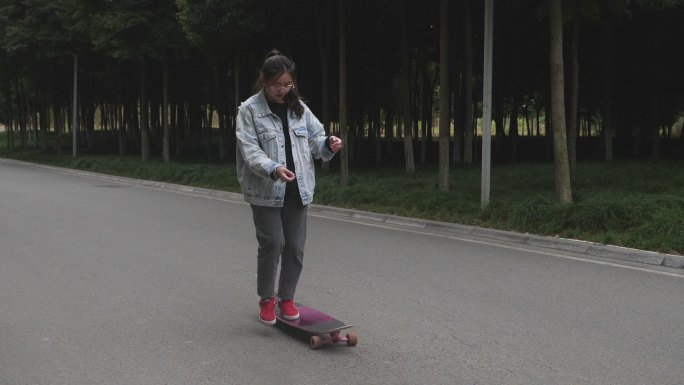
(261, 104)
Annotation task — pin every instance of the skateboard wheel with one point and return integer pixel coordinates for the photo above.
(316, 342)
(352, 339)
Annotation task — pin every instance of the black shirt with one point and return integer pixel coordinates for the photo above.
(281, 110)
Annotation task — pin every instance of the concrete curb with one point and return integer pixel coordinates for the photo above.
(570, 245)
(554, 243)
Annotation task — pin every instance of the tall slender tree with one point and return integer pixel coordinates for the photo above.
(573, 110)
(560, 146)
(221, 30)
(444, 96)
(324, 24)
(139, 30)
(607, 118)
(406, 89)
(467, 83)
(342, 36)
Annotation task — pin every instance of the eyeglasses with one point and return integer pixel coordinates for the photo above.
(278, 87)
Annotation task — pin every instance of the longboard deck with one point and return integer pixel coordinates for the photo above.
(312, 321)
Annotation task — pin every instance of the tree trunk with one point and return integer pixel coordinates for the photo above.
(444, 96)
(144, 121)
(9, 130)
(121, 128)
(344, 156)
(607, 97)
(458, 111)
(166, 135)
(467, 84)
(389, 129)
(405, 90)
(513, 130)
(58, 120)
(236, 84)
(377, 99)
(499, 121)
(324, 26)
(222, 80)
(655, 129)
(21, 112)
(36, 120)
(426, 110)
(74, 111)
(562, 168)
(88, 116)
(574, 94)
(10, 118)
(181, 126)
(49, 106)
(44, 121)
(209, 123)
(59, 128)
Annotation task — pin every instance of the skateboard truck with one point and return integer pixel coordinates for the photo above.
(320, 328)
(350, 339)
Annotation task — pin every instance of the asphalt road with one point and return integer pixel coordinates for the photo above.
(116, 282)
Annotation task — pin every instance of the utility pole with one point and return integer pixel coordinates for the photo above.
(487, 104)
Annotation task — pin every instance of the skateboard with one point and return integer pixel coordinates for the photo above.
(319, 327)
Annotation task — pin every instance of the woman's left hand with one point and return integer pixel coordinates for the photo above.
(335, 143)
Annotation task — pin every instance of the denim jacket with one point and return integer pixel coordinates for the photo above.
(261, 149)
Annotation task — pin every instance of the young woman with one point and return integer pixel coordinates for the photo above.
(277, 139)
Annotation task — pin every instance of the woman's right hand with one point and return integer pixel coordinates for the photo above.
(284, 174)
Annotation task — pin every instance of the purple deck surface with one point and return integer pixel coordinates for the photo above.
(312, 320)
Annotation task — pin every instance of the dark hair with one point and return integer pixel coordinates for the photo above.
(276, 64)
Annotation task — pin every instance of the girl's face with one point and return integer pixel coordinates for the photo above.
(277, 88)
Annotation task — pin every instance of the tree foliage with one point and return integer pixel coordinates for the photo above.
(212, 49)
(127, 29)
(216, 25)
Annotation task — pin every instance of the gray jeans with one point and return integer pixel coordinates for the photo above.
(281, 233)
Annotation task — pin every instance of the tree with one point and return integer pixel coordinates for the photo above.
(574, 91)
(138, 30)
(467, 83)
(444, 94)
(45, 32)
(636, 84)
(607, 117)
(406, 89)
(344, 156)
(219, 29)
(5, 85)
(324, 28)
(562, 168)
(76, 19)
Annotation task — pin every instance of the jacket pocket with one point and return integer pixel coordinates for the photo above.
(268, 143)
(302, 136)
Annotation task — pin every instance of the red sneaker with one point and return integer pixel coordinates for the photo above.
(267, 311)
(288, 309)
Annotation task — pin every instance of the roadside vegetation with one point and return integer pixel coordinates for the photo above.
(635, 204)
